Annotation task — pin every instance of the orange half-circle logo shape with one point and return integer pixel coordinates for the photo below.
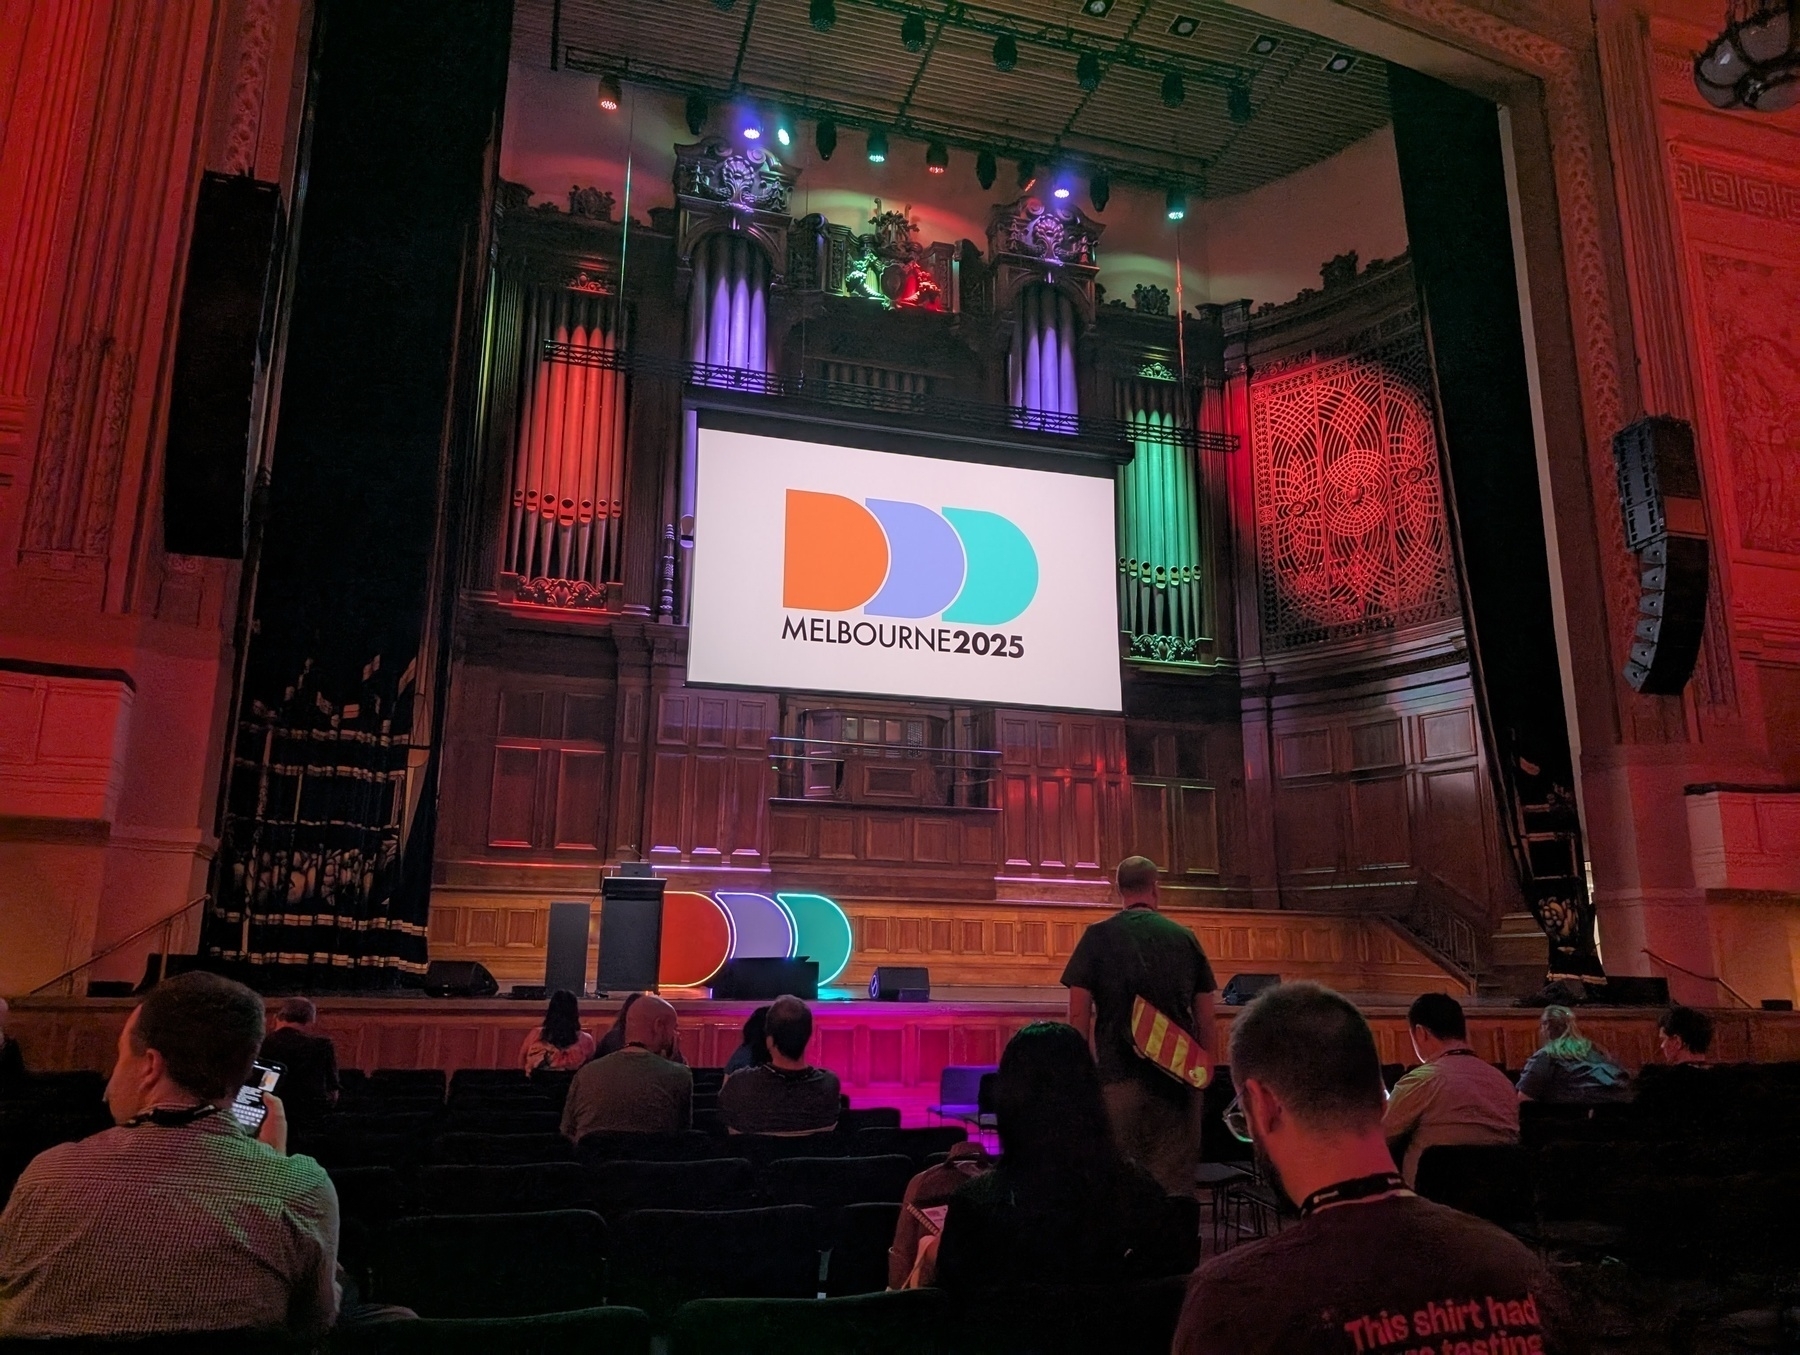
(836, 554)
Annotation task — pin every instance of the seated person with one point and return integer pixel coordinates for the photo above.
(12, 1059)
(1684, 1035)
(1454, 1096)
(786, 1095)
(560, 1045)
(1368, 1266)
(640, 1089)
(177, 1220)
(755, 1048)
(922, 1209)
(1064, 1206)
(1568, 1070)
(309, 1084)
(614, 1039)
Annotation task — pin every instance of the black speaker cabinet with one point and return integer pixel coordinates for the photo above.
(1628, 990)
(1242, 988)
(459, 978)
(226, 302)
(566, 948)
(631, 911)
(1665, 524)
(765, 979)
(900, 983)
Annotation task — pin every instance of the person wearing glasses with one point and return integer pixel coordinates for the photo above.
(1369, 1266)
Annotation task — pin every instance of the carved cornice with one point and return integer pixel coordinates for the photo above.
(1031, 240)
(721, 188)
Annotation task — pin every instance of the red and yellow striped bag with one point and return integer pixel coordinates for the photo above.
(1168, 1046)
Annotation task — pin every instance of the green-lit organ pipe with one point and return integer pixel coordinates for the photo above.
(1159, 528)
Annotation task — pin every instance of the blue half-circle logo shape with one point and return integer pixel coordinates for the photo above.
(1002, 571)
(925, 561)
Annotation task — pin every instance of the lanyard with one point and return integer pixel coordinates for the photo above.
(1354, 1190)
(172, 1117)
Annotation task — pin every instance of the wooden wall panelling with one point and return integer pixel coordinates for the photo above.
(710, 779)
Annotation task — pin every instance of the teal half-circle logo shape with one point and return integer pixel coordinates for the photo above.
(1002, 574)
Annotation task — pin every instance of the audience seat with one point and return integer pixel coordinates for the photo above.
(510, 1188)
(238, 1341)
(415, 1081)
(959, 1092)
(688, 1145)
(492, 1265)
(585, 1331)
(492, 1119)
(663, 1257)
(1133, 1319)
(465, 1080)
(829, 1183)
(860, 1240)
(710, 1183)
(1491, 1181)
(708, 1079)
(372, 1194)
(917, 1144)
(500, 1149)
(906, 1322)
(766, 1148)
(868, 1117)
(338, 1150)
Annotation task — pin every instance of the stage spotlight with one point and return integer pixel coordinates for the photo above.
(937, 158)
(823, 14)
(696, 114)
(749, 124)
(1087, 71)
(1006, 52)
(610, 96)
(985, 168)
(783, 126)
(1027, 175)
(1174, 90)
(1061, 192)
(825, 138)
(1341, 63)
(912, 32)
(1237, 103)
(1175, 205)
(1100, 190)
(878, 147)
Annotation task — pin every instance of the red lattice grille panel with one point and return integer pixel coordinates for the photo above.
(1350, 523)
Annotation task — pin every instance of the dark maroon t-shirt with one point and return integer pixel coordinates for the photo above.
(1399, 1276)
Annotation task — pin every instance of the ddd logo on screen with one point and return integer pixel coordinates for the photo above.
(903, 559)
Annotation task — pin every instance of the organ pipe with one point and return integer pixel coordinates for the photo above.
(1041, 366)
(1159, 526)
(565, 505)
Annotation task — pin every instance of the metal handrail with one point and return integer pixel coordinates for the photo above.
(167, 923)
(1704, 978)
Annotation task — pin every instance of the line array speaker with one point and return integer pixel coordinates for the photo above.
(233, 264)
(1665, 524)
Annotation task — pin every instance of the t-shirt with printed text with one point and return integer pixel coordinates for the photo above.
(1395, 1276)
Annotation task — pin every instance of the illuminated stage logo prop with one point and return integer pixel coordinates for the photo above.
(842, 569)
(702, 931)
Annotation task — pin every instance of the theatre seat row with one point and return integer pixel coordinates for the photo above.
(1127, 1320)
(379, 1194)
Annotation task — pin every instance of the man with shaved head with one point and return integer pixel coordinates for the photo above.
(639, 1089)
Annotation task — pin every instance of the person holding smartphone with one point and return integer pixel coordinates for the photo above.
(179, 1219)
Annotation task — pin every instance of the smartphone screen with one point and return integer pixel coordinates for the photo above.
(249, 1109)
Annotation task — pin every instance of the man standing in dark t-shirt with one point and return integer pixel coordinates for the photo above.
(1140, 953)
(1370, 1268)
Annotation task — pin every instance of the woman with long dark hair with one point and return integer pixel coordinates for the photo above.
(1063, 1206)
(560, 1044)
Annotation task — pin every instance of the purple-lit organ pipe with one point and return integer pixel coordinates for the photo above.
(1041, 365)
(728, 326)
(568, 462)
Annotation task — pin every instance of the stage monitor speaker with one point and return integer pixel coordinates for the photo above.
(631, 909)
(1665, 525)
(765, 979)
(1242, 988)
(566, 948)
(178, 964)
(1778, 1004)
(226, 307)
(900, 983)
(1628, 990)
(459, 978)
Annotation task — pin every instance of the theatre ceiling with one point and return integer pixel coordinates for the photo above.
(1257, 99)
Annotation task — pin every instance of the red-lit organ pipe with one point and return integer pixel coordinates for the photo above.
(569, 459)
